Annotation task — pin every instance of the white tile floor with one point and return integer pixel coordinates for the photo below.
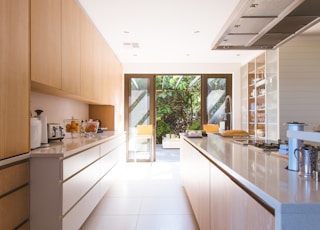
(145, 197)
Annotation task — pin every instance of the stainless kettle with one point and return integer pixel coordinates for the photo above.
(308, 160)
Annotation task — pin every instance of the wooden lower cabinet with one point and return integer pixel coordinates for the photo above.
(195, 175)
(14, 196)
(217, 201)
(232, 207)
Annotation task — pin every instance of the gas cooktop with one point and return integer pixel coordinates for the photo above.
(266, 145)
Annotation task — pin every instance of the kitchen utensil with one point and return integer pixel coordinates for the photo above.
(308, 159)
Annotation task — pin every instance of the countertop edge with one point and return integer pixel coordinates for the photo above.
(49, 152)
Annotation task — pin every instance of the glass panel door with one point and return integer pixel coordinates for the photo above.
(139, 111)
(218, 102)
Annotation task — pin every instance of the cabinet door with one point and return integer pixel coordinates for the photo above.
(71, 46)
(97, 64)
(14, 193)
(195, 173)
(219, 200)
(86, 41)
(247, 213)
(14, 77)
(232, 207)
(107, 81)
(46, 42)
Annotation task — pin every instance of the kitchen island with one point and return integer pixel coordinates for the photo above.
(232, 186)
(69, 178)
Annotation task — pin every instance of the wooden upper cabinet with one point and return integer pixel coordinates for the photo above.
(14, 77)
(112, 77)
(97, 64)
(71, 46)
(46, 42)
(86, 57)
(106, 79)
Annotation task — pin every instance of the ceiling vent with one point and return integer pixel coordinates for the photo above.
(261, 24)
(134, 45)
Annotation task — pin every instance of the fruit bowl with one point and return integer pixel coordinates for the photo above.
(72, 126)
(91, 127)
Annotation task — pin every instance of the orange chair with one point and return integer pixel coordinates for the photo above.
(145, 132)
(211, 128)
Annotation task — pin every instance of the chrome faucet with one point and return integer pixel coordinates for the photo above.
(228, 111)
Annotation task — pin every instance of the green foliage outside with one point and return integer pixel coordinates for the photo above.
(177, 104)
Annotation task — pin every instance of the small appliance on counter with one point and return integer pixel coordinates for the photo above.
(44, 132)
(35, 133)
(55, 132)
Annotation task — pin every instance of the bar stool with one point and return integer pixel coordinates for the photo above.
(144, 132)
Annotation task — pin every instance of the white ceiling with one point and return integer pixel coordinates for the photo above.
(165, 31)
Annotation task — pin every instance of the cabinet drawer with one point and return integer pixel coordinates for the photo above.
(78, 214)
(79, 161)
(108, 146)
(76, 187)
(109, 160)
(15, 208)
(14, 176)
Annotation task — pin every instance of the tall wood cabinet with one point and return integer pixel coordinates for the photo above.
(14, 78)
(14, 119)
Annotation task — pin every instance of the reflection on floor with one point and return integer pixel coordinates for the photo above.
(146, 197)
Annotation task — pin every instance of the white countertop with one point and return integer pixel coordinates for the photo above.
(69, 146)
(263, 174)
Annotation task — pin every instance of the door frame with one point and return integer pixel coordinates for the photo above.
(127, 88)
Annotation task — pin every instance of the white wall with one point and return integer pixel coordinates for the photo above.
(299, 83)
(196, 68)
(57, 109)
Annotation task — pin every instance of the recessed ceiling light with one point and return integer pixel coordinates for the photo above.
(126, 32)
(188, 55)
(196, 31)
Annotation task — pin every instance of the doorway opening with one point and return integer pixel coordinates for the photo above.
(178, 106)
(173, 104)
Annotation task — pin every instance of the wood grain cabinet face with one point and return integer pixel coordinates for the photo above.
(233, 208)
(14, 77)
(217, 201)
(71, 46)
(46, 42)
(14, 196)
(86, 41)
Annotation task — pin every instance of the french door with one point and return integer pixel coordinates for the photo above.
(216, 99)
(139, 110)
(140, 104)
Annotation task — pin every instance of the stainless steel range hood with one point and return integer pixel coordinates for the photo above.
(266, 24)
